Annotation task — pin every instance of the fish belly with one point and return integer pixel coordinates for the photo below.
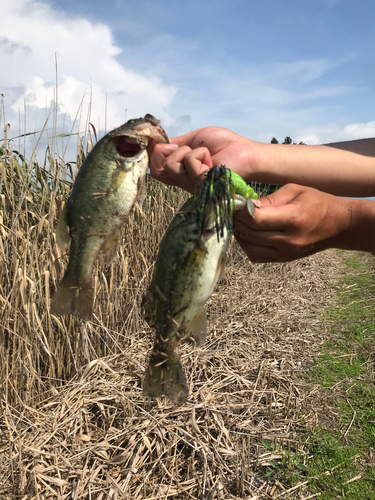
(193, 318)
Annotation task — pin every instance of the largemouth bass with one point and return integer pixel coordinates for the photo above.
(107, 186)
(190, 262)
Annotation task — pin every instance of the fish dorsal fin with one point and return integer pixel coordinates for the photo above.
(197, 328)
(62, 230)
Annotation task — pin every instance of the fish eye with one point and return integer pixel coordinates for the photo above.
(215, 172)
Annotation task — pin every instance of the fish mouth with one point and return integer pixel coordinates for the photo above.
(214, 195)
(127, 149)
(207, 232)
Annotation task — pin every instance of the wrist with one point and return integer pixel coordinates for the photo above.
(256, 160)
(272, 163)
(357, 223)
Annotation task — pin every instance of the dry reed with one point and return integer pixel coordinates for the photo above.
(74, 422)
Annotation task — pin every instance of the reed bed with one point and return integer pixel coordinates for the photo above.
(74, 423)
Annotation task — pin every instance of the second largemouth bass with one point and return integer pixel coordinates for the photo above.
(190, 262)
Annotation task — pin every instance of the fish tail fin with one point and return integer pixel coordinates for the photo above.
(165, 377)
(73, 299)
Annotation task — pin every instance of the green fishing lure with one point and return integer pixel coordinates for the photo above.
(241, 187)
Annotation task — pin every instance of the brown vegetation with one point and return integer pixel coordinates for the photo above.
(74, 423)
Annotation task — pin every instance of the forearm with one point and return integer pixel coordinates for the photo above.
(330, 168)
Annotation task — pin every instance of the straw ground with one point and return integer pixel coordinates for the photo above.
(74, 423)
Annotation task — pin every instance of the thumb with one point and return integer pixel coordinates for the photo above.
(184, 140)
(282, 196)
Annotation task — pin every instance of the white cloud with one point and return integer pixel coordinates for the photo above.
(275, 100)
(312, 139)
(360, 130)
(334, 133)
(259, 100)
(32, 34)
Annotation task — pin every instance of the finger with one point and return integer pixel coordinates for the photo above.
(185, 165)
(165, 179)
(157, 148)
(257, 253)
(158, 153)
(283, 196)
(185, 140)
(197, 161)
(269, 218)
(261, 260)
(262, 238)
(175, 168)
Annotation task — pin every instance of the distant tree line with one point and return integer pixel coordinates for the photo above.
(266, 189)
(287, 140)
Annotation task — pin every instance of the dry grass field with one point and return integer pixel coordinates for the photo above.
(74, 423)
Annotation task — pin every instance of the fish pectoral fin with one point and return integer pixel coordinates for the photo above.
(197, 328)
(141, 192)
(219, 268)
(62, 230)
(165, 377)
(108, 251)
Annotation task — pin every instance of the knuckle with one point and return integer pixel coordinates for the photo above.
(298, 222)
(299, 244)
(192, 154)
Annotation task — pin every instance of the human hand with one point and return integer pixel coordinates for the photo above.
(293, 222)
(182, 161)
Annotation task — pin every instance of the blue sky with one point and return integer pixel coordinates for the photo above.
(261, 68)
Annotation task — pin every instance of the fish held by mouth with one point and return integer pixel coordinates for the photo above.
(109, 183)
(190, 262)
